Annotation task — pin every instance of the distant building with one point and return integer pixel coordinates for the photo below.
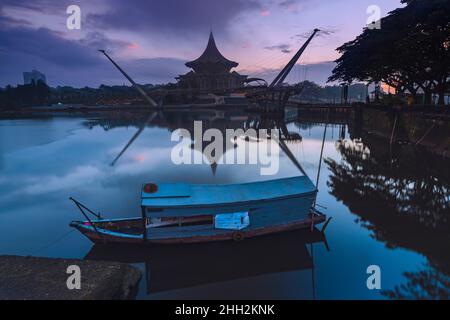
(211, 71)
(33, 76)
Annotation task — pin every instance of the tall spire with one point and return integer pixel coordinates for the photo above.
(211, 59)
(211, 46)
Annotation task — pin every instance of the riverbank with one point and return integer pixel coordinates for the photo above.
(415, 129)
(34, 278)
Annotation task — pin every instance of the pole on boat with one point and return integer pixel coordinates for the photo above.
(324, 227)
(321, 155)
(144, 224)
(80, 207)
(313, 273)
(138, 87)
(317, 179)
(147, 275)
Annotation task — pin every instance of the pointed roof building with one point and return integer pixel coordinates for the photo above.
(211, 71)
(211, 60)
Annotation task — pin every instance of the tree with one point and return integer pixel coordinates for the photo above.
(42, 92)
(411, 51)
(25, 95)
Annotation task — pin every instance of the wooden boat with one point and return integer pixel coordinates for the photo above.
(191, 213)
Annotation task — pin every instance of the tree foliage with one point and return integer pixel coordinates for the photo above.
(25, 95)
(313, 93)
(411, 51)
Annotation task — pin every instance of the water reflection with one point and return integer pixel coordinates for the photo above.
(211, 119)
(403, 198)
(399, 197)
(233, 131)
(176, 267)
(427, 284)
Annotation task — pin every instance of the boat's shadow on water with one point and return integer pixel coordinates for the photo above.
(170, 267)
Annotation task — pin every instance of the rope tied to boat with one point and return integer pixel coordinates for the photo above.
(54, 242)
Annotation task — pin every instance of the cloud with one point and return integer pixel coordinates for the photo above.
(23, 48)
(79, 176)
(76, 62)
(136, 162)
(264, 12)
(160, 69)
(290, 5)
(44, 6)
(171, 16)
(152, 70)
(285, 48)
(317, 72)
(47, 45)
(68, 61)
(94, 40)
(73, 62)
(6, 21)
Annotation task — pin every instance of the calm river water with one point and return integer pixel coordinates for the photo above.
(390, 208)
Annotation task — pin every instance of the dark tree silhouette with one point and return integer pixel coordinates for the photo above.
(25, 95)
(411, 51)
(429, 284)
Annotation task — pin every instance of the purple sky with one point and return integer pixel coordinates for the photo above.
(152, 39)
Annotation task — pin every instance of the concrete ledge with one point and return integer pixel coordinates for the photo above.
(29, 278)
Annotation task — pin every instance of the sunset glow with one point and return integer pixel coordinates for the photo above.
(153, 41)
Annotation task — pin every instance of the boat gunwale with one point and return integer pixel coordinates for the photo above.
(231, 203)
(206, 185)
(87, 230)
(314, 190)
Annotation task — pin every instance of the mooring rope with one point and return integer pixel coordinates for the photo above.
(57, 240)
